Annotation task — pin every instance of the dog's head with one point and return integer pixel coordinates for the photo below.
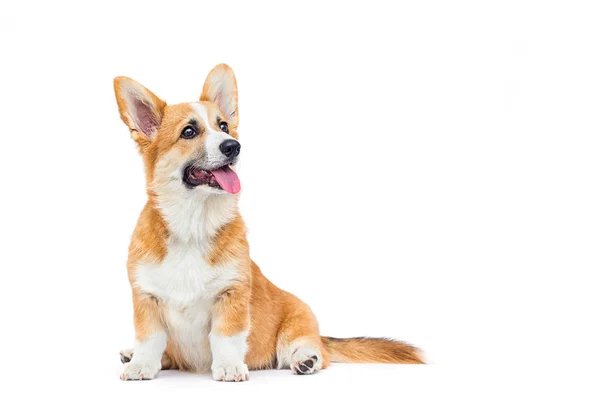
(187, 146)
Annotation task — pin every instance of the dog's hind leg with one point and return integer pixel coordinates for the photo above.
(126, 355)
(299, 345)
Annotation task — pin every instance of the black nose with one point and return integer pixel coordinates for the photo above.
(230, 147)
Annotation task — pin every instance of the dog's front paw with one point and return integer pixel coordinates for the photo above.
(134, 371)
(230, 372)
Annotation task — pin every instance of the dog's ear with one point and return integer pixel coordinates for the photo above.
(140, 109)
(220, 87)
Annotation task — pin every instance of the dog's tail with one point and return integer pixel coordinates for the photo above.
(371, 350)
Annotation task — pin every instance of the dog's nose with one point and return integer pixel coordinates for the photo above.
(230, 147)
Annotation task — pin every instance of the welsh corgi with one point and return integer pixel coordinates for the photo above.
(199, 301)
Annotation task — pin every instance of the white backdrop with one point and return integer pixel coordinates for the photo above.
(424, 170)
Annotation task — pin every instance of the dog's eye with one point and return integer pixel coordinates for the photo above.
(188, 133)
(224, 127)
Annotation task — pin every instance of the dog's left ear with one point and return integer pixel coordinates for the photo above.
(220, 87)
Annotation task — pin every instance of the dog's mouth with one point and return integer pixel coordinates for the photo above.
(223, 178)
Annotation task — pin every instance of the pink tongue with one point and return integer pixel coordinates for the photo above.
(228, 179)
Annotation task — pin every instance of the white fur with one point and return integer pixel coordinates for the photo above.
(145, 363)
(184, 277)
(213, 151)
(214, 137)
(193, 215)
(291, 354)
(228, 356)
(188, 286)
(202, 113)
(189, 328)
(183, 280)
(304, 353)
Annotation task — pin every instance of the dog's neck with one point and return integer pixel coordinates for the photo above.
(195, 216)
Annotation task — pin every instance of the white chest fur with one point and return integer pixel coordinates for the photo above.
(183, 276)
(187, 286)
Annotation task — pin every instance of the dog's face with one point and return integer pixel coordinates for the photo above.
(188, 146)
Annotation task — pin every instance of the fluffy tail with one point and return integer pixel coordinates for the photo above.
(371, 350)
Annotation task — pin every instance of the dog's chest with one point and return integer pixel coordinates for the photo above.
(187, 286)
(184, 276)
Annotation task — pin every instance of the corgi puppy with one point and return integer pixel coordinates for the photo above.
(199, 301)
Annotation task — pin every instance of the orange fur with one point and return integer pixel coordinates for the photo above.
(371, 350)
(276, 318)
(146, 315)
(230, 244)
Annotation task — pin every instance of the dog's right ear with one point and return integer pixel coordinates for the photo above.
(140, 109)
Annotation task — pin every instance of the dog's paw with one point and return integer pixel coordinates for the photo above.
(126, 355)
(134, 371)
(305, 361)
(230, 372)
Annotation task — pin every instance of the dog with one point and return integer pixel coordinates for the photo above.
(200, 303)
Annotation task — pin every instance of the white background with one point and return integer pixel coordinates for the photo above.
(422, 170)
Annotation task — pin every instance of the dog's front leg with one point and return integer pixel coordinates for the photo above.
(151, 339)
(229, 331)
